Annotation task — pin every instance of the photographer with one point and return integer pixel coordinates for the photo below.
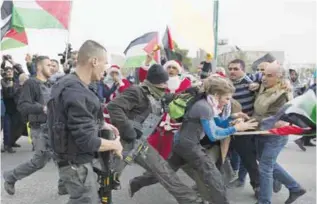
(17, 68)
(8, 92)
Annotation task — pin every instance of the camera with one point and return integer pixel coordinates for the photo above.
(68, 52)
(6, 57)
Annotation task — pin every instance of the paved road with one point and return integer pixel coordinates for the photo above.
(41, 187)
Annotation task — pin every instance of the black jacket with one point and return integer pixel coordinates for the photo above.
(8, 94)
(82, 115)
(31, 102)
(132, 104)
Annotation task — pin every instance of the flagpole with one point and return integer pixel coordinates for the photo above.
(215, 28)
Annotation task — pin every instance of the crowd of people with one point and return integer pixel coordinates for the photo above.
(203, 144)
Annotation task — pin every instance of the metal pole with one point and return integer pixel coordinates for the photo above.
(215, 26)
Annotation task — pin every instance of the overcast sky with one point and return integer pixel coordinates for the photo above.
(285, 25)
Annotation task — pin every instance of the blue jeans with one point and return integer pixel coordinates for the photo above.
(268, 149)
(238, 165)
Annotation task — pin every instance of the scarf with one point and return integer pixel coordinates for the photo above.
(156, 92)
(173, 83)
(214, 104)
(226, 112)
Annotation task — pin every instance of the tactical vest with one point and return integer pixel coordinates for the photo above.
(61, 141)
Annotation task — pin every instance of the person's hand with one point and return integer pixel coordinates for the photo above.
(45, 109)
(249, 125)
(240, 115)
(281, 123)
(28, 58)
(116, 80)
(236, 121)
(118, 147)
(112, 128)
(254, 86)
(149, 58)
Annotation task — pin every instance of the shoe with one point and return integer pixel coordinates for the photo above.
(300, 144)
(236, 184)
(256, 192)
(294, 195)
(9, 188)
(16, 145)
(9, 149)
(62, 191)
(277, 186)
(234, 176)
(133, 188)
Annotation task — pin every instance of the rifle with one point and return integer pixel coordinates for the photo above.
(108, 179)
(147, 128)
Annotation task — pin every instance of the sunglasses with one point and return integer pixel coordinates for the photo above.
(233, 69)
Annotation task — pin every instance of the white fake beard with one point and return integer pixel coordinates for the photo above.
(173, 83)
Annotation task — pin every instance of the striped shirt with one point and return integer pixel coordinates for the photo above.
(243, 95)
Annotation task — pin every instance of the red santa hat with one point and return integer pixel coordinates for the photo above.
(114, 68)
(174, 63)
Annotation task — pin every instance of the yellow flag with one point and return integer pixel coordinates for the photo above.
(192, 25)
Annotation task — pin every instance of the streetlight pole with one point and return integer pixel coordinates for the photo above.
(215, 28)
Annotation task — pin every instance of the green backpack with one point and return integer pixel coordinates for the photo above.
(182, 102)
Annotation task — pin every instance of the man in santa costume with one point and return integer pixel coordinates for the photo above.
(162, 139)
(114, 84)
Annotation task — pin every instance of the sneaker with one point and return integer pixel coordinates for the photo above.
(277, 186)
(16, 145)
(294, 195)
(9, 149)
(234, 176)
(236, 184)
(256, 192)
(62, 191)
(9, 188)
(300, 144)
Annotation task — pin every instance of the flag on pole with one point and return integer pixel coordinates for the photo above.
(169, 46)
(10, 37)
(301, 111)
(138, 49)
(39, 14)
(19, 15)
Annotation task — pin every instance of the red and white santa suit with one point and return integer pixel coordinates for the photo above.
(113, 89)
(162, 139)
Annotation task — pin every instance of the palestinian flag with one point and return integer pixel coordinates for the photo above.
(138, 49)
(301, 112)
(10, 37)
(168, 45)
(18, 15)
(39, 14)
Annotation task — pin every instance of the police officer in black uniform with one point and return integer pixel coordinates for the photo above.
(133, 106)
(74, 119)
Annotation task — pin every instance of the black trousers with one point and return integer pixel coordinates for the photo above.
(195, 157)
(17, 127)
(151, 161)
(245, 147)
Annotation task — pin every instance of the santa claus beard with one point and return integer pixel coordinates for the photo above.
(173, 83)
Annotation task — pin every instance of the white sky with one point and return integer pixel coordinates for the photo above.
(287, 25)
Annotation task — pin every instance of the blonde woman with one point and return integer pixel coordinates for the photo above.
(198, 122)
